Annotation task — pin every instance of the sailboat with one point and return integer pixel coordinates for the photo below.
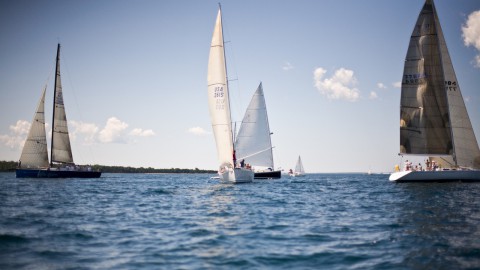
(253, 142)
(299, 170)
(219, 105)
(33, 161)
(433, 118)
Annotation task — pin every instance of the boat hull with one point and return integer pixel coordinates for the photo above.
(268, 175)
(436, 176)
(296, 174)
(44, 173)
(237, 176)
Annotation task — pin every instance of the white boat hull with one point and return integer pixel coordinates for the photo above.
(237, 175)
(436, 176)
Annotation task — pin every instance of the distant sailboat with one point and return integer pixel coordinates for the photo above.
(299, 170)
(253, 142)
(219, 104)
(433, 118)
(34, 158)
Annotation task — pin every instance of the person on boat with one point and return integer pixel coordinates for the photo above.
(242, 163)
(234, 159)
(290, 171)
(427, 163)
(407, 167)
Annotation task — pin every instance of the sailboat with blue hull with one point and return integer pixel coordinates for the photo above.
(433, 118)
(34, 158)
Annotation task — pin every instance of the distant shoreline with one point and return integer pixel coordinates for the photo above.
(10, 166)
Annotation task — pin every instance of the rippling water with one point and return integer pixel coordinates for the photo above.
(171, 221)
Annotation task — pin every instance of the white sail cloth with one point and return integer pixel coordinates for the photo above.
(253, 142)
(218, 96)
(34, 152)
(61, 149)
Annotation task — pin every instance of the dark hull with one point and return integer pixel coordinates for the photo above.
(268, 175)
(36, 173)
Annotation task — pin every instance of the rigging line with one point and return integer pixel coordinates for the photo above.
(256, 153)
(64, 59)
(237, 102)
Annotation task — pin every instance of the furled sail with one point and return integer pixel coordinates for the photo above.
(253, 142)
(218, 97)
(433, 117)
(61, 150)
(34, 153)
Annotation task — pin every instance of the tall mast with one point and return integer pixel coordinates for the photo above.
(226, 77)
(54, 102)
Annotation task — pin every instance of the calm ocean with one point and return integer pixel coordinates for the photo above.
(183, 221)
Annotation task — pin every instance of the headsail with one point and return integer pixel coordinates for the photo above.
(34, 153)
(61, 149)
(218, 97)
(253, 142)
(433, 116)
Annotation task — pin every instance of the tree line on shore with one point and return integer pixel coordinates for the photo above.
(9, 166)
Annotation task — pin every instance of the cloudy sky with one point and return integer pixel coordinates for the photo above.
(134, 76)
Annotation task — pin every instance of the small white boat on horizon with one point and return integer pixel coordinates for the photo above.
(299, 170)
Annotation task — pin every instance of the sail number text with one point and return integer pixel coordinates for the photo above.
(219, 94)
(414, 78)
(449, 85)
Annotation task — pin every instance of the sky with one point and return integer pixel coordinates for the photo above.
(134, 76)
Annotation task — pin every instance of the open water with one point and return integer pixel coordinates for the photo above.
(189, 221)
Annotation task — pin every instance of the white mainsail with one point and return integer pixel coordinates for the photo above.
(61, 150)
(253, 142)
(299, 167)
(433, 117)
(218, 98)
(34, 152)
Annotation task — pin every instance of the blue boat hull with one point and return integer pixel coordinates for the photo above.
(43, 173)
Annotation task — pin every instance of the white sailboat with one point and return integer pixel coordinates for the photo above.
(433, 118)
(253, 143)
(299, 170)
(219, 105)
(34, 158)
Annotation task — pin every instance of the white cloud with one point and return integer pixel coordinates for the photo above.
(17, 136)
(471, 33)
(381, 86)
(373, 95)
(114, 131)
(397, 84)
(340, 86)
(197, 131)
(142, 132)
(287, 66)
(88, 130)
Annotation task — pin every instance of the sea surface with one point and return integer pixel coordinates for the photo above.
(189, 221)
